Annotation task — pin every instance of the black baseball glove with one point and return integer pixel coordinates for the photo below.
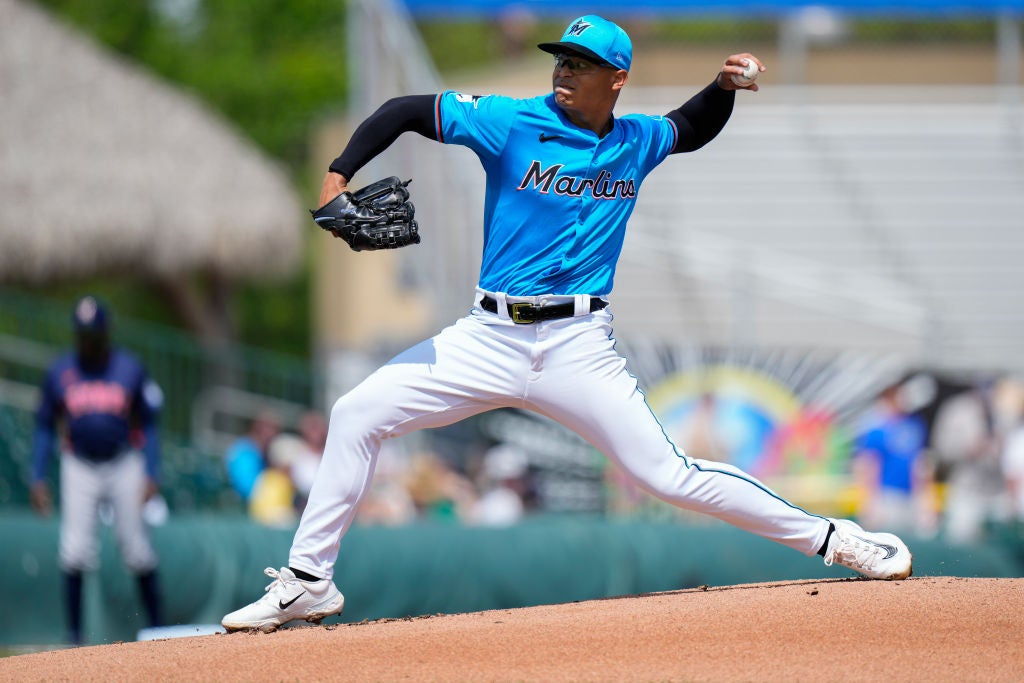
(379, 216)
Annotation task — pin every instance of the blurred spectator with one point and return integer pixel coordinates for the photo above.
(891, 467)
(105, 407)
(388, 501)
(700, 436)
(437, 490)
(964, 440)
(247, 456)
(504, 487)
(517, 24)
(313, 433)
(1013, 467)
(272, 499)
(1007, 405)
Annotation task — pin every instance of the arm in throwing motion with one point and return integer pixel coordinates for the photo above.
(705, 114)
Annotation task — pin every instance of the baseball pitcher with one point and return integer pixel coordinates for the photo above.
(563, 175)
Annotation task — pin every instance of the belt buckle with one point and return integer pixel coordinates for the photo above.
(517, 314)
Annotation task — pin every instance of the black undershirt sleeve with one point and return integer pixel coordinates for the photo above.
(702, 117)
(374, 135)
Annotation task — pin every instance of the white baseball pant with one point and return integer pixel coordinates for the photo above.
(566, 369)
(83, 484)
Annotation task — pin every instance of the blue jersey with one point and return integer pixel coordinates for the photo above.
(558, 196)
(897, 441)
(101, 409)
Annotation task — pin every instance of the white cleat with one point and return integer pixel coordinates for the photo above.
(875, 555)
(287, 598)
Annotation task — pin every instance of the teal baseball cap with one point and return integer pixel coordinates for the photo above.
(596, 39)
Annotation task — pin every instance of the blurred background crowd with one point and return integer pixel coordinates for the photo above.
(272, 471)
(926, 456)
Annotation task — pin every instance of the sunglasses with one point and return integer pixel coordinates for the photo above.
(576, 65)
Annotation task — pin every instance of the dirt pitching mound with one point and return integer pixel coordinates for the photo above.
(925, 629)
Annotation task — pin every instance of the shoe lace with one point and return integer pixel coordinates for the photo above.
(278, 580)
(850, 551)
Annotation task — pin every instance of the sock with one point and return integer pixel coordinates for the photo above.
(149, 588)
(305, 576)
(824, 548)
(73, 605)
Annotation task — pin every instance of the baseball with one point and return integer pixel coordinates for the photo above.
(749, 74)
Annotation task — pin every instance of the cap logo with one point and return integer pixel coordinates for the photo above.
(86, 312)
(578, 28)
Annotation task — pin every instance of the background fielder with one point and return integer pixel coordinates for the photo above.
(110, 451)
(563, 176)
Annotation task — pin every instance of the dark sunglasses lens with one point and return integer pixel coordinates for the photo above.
(567, 62)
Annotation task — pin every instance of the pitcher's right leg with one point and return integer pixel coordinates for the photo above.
(468, 368)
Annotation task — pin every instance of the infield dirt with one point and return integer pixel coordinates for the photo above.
(921, 629)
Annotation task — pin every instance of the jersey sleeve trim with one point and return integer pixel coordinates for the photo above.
(675, 134)
(439, 129)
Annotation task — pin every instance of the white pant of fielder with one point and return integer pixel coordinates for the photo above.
(566, 369)
(83, 485)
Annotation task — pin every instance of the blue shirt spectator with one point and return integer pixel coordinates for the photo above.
(246, 458)
(897, 440)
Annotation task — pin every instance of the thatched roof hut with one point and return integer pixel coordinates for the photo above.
(105, 169)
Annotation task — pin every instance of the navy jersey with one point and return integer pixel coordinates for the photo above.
(558, 196)
(101, 410)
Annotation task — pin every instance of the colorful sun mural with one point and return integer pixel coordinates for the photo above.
(748, 418)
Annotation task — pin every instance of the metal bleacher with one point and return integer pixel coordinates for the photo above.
(871, 220)
(881, 220)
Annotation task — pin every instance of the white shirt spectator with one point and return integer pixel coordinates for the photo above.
(1013, 469)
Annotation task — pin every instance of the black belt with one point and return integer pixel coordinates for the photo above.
(99, 457)
(524, 314)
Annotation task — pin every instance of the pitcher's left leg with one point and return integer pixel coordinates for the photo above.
(585, 385)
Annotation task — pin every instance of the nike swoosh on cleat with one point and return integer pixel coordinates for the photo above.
(890, 550)
(546, 138)
(285, 605)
